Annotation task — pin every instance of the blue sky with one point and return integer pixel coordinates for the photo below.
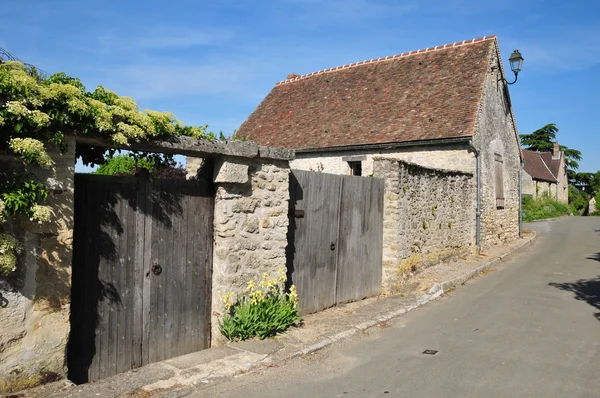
(213, 62)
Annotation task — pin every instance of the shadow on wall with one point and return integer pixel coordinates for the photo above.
(105, 223)
(48, 245)
(587, 290)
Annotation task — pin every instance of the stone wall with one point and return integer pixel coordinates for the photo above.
(592, 205)
(563, 182)
(429, 215)
(538, 189)
(545, 189)
(495, 134)
(528, 185)
(453, 157)
(35, 299)
(251, 224)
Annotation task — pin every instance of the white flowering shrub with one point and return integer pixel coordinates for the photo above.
(35, 111)
(8, 255)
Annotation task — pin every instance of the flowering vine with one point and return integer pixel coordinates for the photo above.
(35, 114)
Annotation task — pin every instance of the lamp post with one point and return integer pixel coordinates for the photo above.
(516, 63)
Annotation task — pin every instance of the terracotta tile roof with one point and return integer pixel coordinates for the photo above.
(553, 164)
(536, 167)
(421, 95)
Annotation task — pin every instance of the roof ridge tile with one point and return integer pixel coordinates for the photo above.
(383, 59)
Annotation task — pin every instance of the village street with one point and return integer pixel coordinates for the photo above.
(531, 328)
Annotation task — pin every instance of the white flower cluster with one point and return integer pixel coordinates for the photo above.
(41, 214)
(2, 208)
(39, 119)
(8, 256)
(17, 108)
(31, 150)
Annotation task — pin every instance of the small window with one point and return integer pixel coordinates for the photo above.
(355, 168)
(499, 177)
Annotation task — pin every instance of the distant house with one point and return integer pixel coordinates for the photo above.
(446, 107)
(545, 174)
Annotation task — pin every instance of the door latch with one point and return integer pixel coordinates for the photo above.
(156, 269)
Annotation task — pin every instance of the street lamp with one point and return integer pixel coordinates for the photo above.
(516, 63)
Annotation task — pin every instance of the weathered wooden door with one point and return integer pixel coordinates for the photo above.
(336, 238)
(141, 273)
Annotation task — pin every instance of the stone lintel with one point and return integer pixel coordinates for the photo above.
(197, 147)
(358, 158)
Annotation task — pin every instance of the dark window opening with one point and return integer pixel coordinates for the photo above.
(355, 168)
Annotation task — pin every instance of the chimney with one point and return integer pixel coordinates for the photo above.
(292, 76)
(556, 151)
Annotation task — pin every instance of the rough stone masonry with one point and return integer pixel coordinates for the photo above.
(251, 223)
(428, 216)
(34, 301)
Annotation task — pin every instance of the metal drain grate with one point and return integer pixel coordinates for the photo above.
(430, 352)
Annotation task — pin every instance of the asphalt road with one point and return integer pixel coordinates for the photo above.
(531, 328)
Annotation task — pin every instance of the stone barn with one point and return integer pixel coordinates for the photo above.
(446, 108)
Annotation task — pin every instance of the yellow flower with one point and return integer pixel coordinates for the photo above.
(282, 274)
(251, 285)
(293, 295)
(227, 298)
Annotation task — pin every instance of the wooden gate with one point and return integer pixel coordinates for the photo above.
(141, 273)
(336, 238)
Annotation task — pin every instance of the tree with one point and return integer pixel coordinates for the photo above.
(158, 165)
(542, 140)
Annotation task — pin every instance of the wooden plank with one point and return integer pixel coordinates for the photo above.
(93, 222)
(138, 277)
(193, 225)
(157, 247)
(149, 299)
(79, 352)
(183, 327)
(111, 266)
(127, 315)
(206, 262)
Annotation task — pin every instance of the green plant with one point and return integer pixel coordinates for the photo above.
(262, 312)
(542, 208)
(22, 197)
(449, 224)
(424, 225)
(578, 200)
(433, 210)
